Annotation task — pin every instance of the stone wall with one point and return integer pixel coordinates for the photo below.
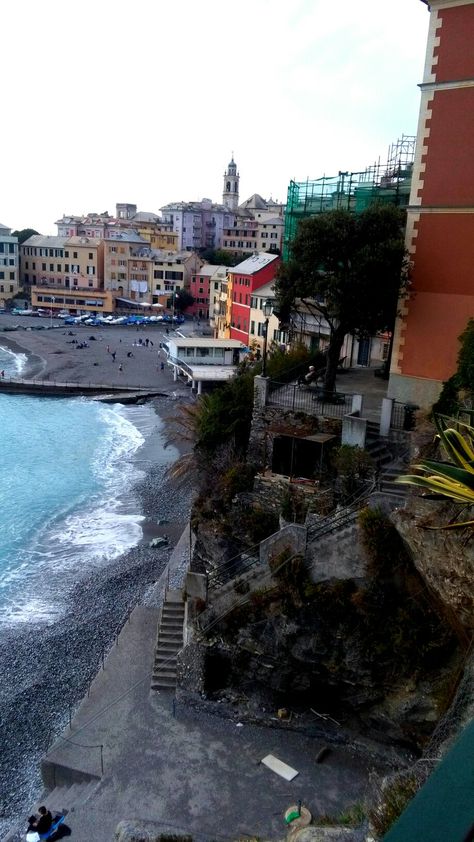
(268, 422)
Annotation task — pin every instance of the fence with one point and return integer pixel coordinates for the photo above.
(312, 400)
(398, 419)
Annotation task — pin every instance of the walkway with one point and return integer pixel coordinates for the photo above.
(184, 769)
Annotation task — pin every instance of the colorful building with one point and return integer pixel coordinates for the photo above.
(9, 265)
(244, 280)
(65, 273)
(205, 287)
(440, 228)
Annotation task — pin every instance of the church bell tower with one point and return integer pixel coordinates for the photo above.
(230, 196)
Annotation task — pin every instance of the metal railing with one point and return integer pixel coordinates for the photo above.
(397, 421)
(309, 399)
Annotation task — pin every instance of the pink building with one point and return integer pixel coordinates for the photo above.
(201, 287)
(245, 278)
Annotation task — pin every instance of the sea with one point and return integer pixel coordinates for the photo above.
(68, 467)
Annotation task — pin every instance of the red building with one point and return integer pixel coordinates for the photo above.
(244, 279)
(202, 286)
(440, 226)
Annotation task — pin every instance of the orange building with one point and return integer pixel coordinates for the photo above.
(440, 226)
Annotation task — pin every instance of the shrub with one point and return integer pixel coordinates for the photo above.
(393, 799)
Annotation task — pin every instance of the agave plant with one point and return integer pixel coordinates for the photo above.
(453, 479)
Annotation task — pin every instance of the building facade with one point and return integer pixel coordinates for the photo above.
(205, 287)
(440, 226)
(243, 281)
(65, 273)
(9, 265)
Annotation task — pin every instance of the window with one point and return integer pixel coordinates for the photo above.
(12, 276)
(11, 248)
(2, 276)
(26, 265)
(91, 256)
(75, 254)
(66, 254)
(58, 267)
(66, 267)
(43, 267)
(158, 273)
(111, 248)
(51, 267)
(252, 327)
(51, 253)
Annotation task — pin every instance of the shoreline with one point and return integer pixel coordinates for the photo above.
(47, 669)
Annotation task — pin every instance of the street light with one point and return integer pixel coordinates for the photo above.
(267, 311)
(175, 296)
(53, 301)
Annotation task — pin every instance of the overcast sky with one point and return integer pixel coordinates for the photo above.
(145, 102)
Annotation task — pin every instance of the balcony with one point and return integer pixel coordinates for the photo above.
(61, 288)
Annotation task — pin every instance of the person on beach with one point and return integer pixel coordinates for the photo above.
(113, 355)
(45, 820)
(120, 367)
(108, 349)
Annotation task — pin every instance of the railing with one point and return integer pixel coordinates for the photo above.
(397, 421)
(312, 400)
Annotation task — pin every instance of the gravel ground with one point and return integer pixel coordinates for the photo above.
(46, 669)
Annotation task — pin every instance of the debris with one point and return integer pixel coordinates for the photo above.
(322, 754)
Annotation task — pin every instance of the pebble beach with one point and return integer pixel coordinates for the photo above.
(46, 670)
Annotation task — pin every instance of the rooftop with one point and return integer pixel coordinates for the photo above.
(49, 240)
(254, 264)
(205, 342)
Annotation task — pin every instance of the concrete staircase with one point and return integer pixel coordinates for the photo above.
(169, 642)
(65, 797)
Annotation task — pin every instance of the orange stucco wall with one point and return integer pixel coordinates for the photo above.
(443, 295)
(444, 257)
(436, 320)
(449, 174)
(455, 52)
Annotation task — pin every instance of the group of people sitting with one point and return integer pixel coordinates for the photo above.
(39, 825)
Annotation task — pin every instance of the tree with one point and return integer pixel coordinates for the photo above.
(350, 268)
(183, 300)
(24, 234)
(221, 257)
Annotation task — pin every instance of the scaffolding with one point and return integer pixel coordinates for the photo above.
(389, 183)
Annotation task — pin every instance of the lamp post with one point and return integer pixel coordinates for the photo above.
(267, 311)
(53, 301)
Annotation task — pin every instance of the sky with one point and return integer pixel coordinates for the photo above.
(113, 101)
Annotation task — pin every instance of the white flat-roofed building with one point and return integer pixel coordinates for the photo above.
(204, 360)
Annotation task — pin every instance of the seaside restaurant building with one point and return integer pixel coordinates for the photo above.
(204, 361)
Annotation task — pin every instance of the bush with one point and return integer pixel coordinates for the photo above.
(393, 799)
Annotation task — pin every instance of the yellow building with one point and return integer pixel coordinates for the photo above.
(9, 265)
(56, 267)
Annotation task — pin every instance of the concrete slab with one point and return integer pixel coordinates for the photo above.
(279, 767)
(185, 770)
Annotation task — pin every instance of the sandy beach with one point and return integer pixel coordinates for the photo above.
(53, 352)
(46, 669)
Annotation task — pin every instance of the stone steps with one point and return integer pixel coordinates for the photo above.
(64, 798)
(169, 642)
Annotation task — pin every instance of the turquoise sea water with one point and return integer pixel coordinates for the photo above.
(66, 502)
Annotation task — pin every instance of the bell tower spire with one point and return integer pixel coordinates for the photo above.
(230, 196)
